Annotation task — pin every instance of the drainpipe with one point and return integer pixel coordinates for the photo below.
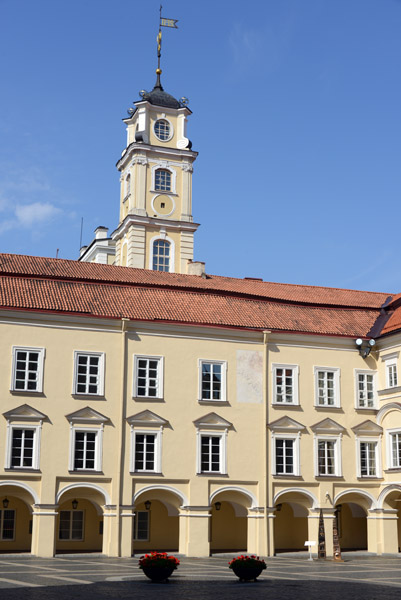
(265, 438)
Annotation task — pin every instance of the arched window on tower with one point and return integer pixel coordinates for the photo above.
(128, 185)
(163, 180)
(161, 255)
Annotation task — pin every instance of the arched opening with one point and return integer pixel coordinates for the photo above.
(291, 528)
(15, 520)
(352, 526)
(156, 521)
(229, 522)
(79, 525)
(392, 500)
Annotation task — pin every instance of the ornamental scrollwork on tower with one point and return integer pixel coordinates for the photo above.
(140, 160)
(187, 167)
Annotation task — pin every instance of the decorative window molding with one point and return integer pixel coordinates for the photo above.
(23, 438)
(164, 178)
(328, 456)
(71, 525)
(365, 389)
(162, 236)
(368, 457)
(212, 378)
(211, 435)
(141, 525)
(148, 377)
(285, 384)
(88, 373)
(390, 365)
(285, 454)
(163, 129)
(146, 442)
(393, 448)
(327, 387)
(27, 370)
(86, 443)
(7, 525)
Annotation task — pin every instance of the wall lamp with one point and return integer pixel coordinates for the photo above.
(74, 504)
(148, 504)
(217, 505)
(364, 351)
(279, 507)
(6, 502)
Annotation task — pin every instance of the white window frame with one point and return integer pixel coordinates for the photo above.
(295, 384)
(98, 448)
(5, 539)
(71, 539)
(160, 377)
(357, 399)
(165, 238)
(41, 352)
(389, 447)
(173, 179)
(336, 381)
(135, 527)
(369, 440)
(101, 356)
(222, 452)
(158, 449)
(163, 118)
(223, 391)
(296, 453)
(37, 429)
(337, 439)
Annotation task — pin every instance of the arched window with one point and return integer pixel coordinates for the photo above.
(161, 255)
(163, 180)
(128, 185)
(162, 130)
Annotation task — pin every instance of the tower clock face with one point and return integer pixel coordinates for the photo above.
(163, 130)
(163, 206)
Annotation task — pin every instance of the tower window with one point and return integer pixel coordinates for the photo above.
(163, 180)
(161, 255)
(162, 130)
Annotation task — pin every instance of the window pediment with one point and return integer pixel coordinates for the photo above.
(86, 415)
(367, 428)
(24, 413)
(286, 424)
(212, 421)
(147, 418)
(328, 426)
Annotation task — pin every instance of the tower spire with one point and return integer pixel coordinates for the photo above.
(159, 53)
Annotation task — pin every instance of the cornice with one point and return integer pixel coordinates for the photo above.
(141, 148)
(153, 222)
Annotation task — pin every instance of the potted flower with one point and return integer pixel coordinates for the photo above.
(247, 568)
(158, 566)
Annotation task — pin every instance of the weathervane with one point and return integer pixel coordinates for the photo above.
(163, 22)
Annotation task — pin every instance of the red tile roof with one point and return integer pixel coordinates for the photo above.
(55, 285)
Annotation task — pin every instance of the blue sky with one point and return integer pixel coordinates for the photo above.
(296, 117)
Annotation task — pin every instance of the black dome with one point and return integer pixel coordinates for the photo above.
(159, 97)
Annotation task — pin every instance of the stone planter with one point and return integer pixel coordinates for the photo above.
(247, 572)
(158, 572)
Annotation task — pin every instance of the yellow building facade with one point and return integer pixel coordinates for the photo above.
(148, 405)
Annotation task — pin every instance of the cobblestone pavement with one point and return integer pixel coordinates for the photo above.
(286, 578)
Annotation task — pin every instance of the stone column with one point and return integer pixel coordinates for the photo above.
(110, 533)
(126, 530)
(195, 531)
(382, 528)
(255, 536)
(44, 522)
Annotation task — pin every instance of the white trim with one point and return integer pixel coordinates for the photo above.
(389, 449)
(167, 488)
(223, 393)
(24, 486)
(36, 445)
(222, 451)
(297, 490)
(373, 505)
(295, 437)
(157, 449)
(162, 236)
(41, 352)
(295, 384)
(165, 166)
(101, 355)
(336, 381)
(84, 484)
(160, 376)
(385, 409)
(337, 439)
(382, 496)
(98, 431)
(358, 372)
(163, 118)
(164, 215)
(233, 488)
(378, 445)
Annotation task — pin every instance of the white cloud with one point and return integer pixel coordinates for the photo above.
(37, 213)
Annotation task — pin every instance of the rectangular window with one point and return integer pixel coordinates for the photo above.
(89, 373)
(22, 448)
(326, 457)
(368, 459)
(148, 377)
(212, 380)
(327, 387)
(85, 450)
(395, 450)
(392, 376)
(210, 454)
(145, 451)
(285, 384)
(365, 390)
(285, 456)
(163, 180)
(71, 525)
(27, 369)
(7, 524)
(141, 525)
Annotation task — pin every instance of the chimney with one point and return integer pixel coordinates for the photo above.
(82, 250)
(101, 232)
(195, 267)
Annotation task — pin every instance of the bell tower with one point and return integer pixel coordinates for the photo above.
(156, 227)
